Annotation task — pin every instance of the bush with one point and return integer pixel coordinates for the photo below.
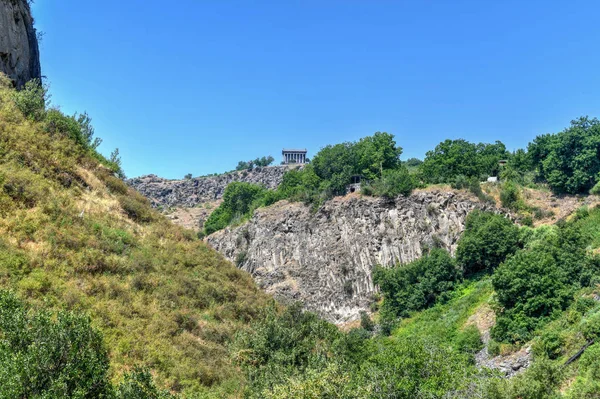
(393, 183)
(31, 100)
(549, 345)
(138, 384)
(510, 196)
(469, 340)
(487, 240)
(596, 189)
(417, 285)
(239, 201)
(532, 287)
(50, 357)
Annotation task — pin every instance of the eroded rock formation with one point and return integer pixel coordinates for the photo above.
(325, 259)
(188, 193)
(19, 51)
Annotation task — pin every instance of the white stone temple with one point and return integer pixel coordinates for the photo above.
(291, 156)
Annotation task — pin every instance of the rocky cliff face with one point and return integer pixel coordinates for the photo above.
(190, 192)
(325, 259)
(19, 51)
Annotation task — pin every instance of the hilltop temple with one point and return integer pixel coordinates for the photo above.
(291, 156)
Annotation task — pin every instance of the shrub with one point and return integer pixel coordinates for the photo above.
(487, 240)
(596, 189)
(32, 99)
(394, 182)
(549, 345)
(510, 196)
(239, 201)
(469, 340)
(365, 321)
(531, 288)
(417, 285)
(50, 357)
(460, 182)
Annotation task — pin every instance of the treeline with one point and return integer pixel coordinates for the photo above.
(258, 162)
(374, 159)
(567, 162)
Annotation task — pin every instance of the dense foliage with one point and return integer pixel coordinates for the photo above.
(238, 200)
(417, 285)
(538, 282)
(52, 356)
(487, 240)
(570, 160)
(452, 158)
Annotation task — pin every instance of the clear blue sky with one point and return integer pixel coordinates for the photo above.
(194, 86)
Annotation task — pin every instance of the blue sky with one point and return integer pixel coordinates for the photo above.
(195, 86)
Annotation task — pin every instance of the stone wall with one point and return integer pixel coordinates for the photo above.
(19, 51)
(325, 259)
(188, 193)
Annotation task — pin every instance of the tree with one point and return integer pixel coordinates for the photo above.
(393, 183)
(188, 176)
(487, 240)
(239, 200)
(49, 356)
(452, 158)
(413, 162)
(375, 154)
(569, 160)
(417, 285)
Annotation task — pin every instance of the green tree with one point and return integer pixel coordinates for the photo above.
(239, 200)
(375, 154)
(452, 158)
(394, 182)
(487, 240)
(49, 356)
(570, 160)
(417, 285)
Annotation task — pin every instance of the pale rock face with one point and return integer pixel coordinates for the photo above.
(325, 259)
(19, 51)
(189, 193)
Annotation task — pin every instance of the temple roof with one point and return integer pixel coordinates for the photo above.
(293, 150)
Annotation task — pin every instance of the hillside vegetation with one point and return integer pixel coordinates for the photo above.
(75, 238)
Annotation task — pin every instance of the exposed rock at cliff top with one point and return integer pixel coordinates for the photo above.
(325, 259)
(19, 51)
(189, 193)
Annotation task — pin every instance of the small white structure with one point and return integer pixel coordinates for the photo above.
(291, 156)
(492, 179)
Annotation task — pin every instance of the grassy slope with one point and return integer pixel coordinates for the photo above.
(73, 236)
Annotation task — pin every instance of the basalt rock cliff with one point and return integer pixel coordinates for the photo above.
(189, 193)
(325, 259)
(19, 51)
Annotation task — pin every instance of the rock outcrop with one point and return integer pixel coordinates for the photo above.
(188, 193)
(325, 259)
(19, 51)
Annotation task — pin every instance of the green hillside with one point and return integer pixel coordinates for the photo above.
(74, 237)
